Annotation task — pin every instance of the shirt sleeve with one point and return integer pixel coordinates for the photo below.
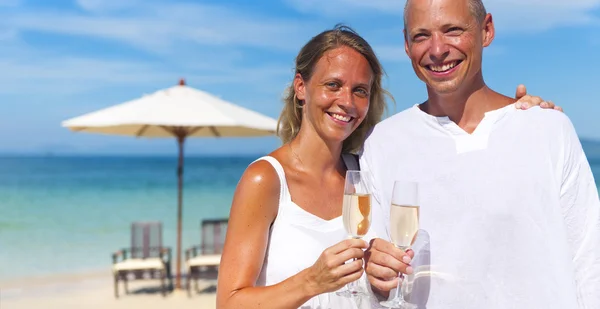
(581, 210)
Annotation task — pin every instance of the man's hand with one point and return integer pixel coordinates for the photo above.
(383, 262)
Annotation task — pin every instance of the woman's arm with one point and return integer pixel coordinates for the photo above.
(525, 101)
(254, 209)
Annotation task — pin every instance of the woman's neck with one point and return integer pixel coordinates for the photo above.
(313, 154)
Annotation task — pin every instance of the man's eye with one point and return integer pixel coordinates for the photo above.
(454, 31)
(419, 37)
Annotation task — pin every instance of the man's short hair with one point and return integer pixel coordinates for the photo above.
(475, 6)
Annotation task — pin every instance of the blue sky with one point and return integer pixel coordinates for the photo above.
(60, 59)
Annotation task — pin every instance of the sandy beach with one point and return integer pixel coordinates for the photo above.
(95, 290)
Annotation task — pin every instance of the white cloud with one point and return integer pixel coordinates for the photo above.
(162, 27)
(105, 5)
(540, 15)
(30, 69)
(41, 73)
(70, 75)
(205, 44)
(10, 3)
(140, 33)
(343, 7)
(514, 15)
(7, 34)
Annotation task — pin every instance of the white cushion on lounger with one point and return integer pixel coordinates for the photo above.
(135, 264)
(205, 260)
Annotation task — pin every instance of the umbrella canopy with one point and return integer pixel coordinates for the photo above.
(180, 107)
(178, 112)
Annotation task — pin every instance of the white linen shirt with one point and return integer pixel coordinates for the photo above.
(511, 211)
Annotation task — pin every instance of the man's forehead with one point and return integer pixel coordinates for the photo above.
(427, 4)
(426, 11)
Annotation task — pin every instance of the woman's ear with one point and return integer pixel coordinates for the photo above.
(299, 87)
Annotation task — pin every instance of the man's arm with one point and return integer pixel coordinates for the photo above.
(581, 210)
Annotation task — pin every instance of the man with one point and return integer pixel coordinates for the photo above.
(512, 214)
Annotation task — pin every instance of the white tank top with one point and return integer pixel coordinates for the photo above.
(296, 240)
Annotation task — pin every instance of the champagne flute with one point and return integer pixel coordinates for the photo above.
(404, 225)
(356, 215)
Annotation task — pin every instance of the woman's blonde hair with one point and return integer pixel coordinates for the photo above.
(291, 115)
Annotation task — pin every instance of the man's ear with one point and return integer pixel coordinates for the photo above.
(406, 50)
(488, 30)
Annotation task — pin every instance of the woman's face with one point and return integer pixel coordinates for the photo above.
(336, 98)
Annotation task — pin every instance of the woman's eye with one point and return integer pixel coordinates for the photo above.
(362, 92)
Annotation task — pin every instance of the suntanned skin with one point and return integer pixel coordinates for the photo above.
(315, 173)
(341, 84)
(440, 33)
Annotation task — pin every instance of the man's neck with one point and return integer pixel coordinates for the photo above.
(465, 107)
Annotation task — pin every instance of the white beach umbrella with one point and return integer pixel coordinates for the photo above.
(178, 112)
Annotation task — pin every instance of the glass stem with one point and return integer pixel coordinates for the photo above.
(353, 284)
(398, 288)
(399, 295)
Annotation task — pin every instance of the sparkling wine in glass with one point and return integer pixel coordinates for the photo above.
(404, 225)
(356, 215)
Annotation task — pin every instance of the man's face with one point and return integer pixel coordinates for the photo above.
(445, 42)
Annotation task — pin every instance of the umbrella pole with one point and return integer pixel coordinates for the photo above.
(180, 142)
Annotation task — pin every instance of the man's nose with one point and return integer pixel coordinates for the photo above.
(439, 49)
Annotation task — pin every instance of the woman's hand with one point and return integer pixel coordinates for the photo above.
(331, 272)
(526, 101)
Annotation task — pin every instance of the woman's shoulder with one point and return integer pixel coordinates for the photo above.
(258, 190)
(260, 173)
(263, 174)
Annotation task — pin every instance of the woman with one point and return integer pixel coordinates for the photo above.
(285, 241)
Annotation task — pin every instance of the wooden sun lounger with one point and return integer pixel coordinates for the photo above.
(147, 258)
(203, 261)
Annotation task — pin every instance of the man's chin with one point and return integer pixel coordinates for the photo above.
(443, 88)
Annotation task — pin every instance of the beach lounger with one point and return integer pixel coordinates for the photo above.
(203, 261)
(147, 258)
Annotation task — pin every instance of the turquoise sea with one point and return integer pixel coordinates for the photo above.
(68, 214)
